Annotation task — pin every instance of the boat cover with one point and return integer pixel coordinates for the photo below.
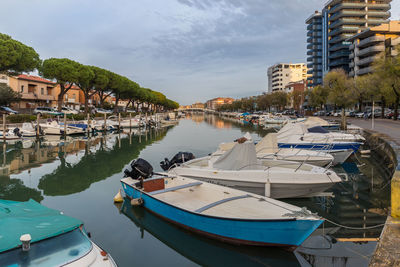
(291, 129)
(317, 129)
(314, 121)
(240, 157)
(268, 144)
(19, 218)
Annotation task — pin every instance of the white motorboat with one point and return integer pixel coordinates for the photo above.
(240, 168)
(10, 135)
(54, 128)
(315, 134)
(27, 130)
(268, 148)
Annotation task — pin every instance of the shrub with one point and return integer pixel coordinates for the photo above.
(20, 118)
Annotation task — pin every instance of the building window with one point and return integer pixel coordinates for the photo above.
(22, 88)
(42, 91)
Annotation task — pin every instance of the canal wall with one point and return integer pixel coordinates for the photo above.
(387, 252)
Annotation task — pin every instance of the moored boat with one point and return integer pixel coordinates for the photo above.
(34, 235)
(223, 213)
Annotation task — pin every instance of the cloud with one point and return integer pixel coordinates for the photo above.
(191, 50)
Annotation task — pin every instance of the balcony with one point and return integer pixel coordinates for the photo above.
(364, 71)
(338, 47)
(351, 64)
(340, 38)
(33, 96)
(351, 56)
(339, 62)
(373, 40)
(382, 7)
(348, 13)
(345, 21)
(380, 14)
(339, 54)
(367, 61)
(70, 100)
(375, 22)
(344, 29)
(371, 50)
(346, 6)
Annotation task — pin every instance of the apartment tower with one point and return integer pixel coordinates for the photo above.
(314, 48)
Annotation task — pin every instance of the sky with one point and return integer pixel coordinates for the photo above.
(190, 50)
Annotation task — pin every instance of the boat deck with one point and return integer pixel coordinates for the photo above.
(213, 200)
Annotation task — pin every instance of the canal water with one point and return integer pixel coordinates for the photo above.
(80, 177)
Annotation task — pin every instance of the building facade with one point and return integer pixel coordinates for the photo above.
(314, 48)
(341, 20)
(369, 44)
(35, 91)
(217, 102)
(346, 18)
(279, 75)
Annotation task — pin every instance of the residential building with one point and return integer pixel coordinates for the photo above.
(73, 98)
(198, 105)
(219, 101)
(345, 19)
(314, 48)
(369, 44)
(340, 20)
(279, 75)
(297, 99)
(4, 79)
(35, 91)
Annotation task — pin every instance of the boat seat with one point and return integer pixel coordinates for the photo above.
(175, 188)
(219, 202)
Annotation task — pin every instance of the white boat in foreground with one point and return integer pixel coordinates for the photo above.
(54, 128)
(240, 168)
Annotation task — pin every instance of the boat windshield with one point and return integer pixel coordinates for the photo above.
(55, 251)
(317, 129)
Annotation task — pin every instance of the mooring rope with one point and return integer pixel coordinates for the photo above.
(354, 228)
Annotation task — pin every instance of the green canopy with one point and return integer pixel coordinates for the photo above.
(18, 218)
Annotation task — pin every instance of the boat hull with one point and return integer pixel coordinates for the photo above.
(323, 146)
(286, 233)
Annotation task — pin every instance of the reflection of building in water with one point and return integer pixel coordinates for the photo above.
(198, 118)
(217, 102)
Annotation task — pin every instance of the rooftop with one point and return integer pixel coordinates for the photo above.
(34, 79)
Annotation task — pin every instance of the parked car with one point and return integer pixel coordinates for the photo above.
(47, 110)
(7, 110)
(101, 111)
(68, 110)
(359, 115)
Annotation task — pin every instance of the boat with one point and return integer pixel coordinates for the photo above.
(268, 148)
(222, 213)
(316, 121)
(202, 251)
(54, 128)
(10, 135)
(297, 135)
(34, 235)
(240, 168)
(27, 130)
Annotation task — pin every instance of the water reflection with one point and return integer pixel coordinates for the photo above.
(80, 162)
(204, 251)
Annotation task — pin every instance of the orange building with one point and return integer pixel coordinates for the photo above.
(219, 101)
(35, 91)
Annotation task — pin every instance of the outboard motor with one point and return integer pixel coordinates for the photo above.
(140, 168)
(17, 132)
(179, 158)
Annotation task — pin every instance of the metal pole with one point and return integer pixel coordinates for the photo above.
(373, 114)
(4, 128)
(37, 125)
(88, 123)
(105, 122)
(119, 121)
(65, 125)
(130, 123)
(4, 153)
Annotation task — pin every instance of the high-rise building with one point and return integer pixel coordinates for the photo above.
(342, 19)
(314, 48)
(346, 18)
(370, 43)
(279, 75)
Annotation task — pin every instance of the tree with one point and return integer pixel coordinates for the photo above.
(297, 98)
(279, 100)
(340, 92)
(318, 96)
(8, 95)
(86, 81)
(264, 102)
(15, 57)
(64, 71)
(387, 69)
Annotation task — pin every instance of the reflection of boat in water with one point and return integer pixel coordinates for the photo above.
(204, 251)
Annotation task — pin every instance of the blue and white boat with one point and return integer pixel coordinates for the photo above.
(34, 235)
(300, 136)
(223, 213)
